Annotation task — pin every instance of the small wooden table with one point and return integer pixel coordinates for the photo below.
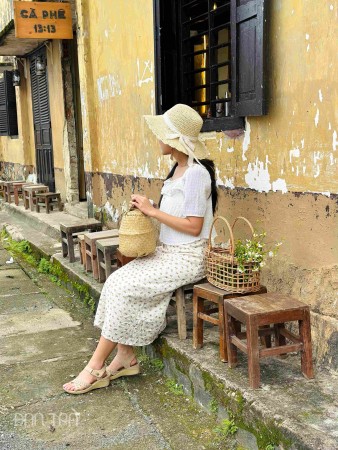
(268, 309)
(29, 193)
(208, 292)
(69, 234)
(90, 246)
(106, 255)
(48, 200)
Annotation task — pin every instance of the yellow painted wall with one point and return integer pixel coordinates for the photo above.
(20, 150)
(293, 148)
(56, 100)
(6, 10)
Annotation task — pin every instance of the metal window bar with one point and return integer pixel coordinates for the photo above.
(210, 20)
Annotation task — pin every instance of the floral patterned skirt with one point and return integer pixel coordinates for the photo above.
(134, 299)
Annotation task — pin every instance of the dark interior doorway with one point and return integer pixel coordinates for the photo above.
(41, 119)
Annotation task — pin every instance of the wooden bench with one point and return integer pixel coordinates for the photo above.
(69, 234)
(48, 200)
(106, 256)
(90, 249)
(29, 194)
(207, 293)
(265, 310)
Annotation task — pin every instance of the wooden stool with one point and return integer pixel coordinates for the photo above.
(9, 189)
(263, 310)
(18, 190)
(178, 297)
(69, 235)
(121, 260)
(90, 246)
(2, 188)
(29, 194)
(215, 295)
(82, 249)
(48, 200)
(106, 255)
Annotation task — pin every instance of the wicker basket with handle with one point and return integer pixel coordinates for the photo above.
(137, 234)
(222, 265)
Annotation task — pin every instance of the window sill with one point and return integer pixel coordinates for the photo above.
(222, 124)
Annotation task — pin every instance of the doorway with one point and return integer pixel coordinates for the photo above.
(41, 119)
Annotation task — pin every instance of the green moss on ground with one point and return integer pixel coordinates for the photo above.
(53, 270)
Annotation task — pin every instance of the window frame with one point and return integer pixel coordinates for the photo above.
(256, 10)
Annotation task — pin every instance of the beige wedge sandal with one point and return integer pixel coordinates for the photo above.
(126, 370)
(81, 387)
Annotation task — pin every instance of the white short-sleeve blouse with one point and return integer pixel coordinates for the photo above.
(189, 195)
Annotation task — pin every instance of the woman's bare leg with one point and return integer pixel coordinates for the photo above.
(123, 352)
(102, 351)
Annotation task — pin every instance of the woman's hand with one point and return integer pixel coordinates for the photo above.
(143, 204)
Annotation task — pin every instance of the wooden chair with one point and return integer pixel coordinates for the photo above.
(267, 309)
(69, 234)
(48, 200)
(106, 256)
(207, 293)
(90, 249)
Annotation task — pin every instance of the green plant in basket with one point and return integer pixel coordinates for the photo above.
(254, 251)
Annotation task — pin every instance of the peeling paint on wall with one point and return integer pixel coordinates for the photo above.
(317, 118)
(144, 72)
(257, 176)
(279, 185)
(246, 140)
(317, 156)
(334, 140)
(108, 86)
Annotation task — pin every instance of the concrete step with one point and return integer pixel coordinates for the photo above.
(287, 412)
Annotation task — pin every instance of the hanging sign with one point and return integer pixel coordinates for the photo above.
(43, 20)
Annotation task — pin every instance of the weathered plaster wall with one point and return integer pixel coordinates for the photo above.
(7, 13)
(281, 173)
(18, 154)
(293, 148)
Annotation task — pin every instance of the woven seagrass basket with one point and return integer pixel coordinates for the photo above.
(222, 266)
(137, 234)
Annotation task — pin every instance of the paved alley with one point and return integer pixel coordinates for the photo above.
(46, 338)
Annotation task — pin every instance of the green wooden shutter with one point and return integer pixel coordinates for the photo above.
(8, 114)
(248, 55)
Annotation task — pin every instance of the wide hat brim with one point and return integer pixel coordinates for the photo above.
(160, 129)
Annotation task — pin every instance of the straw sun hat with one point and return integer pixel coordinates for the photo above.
(179, 127)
